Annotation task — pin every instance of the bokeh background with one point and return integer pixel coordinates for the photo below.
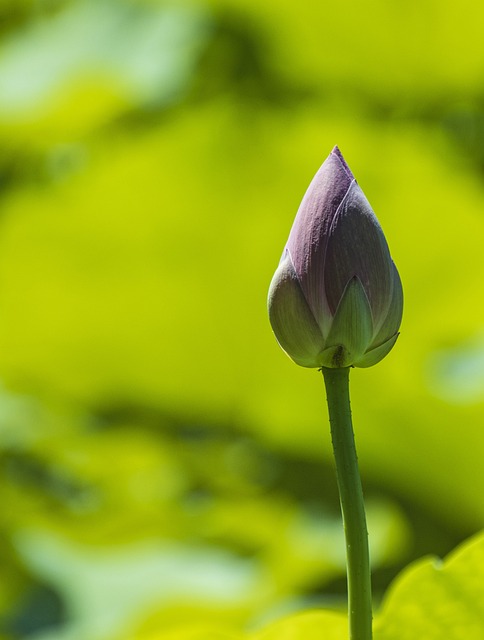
(161, 459)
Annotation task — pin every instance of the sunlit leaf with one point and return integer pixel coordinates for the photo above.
(90, 62)
(432, 599)
(192, 632)
(307, 626)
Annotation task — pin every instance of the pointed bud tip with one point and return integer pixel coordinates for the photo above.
(336, 152)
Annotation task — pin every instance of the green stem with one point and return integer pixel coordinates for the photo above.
(352, 505)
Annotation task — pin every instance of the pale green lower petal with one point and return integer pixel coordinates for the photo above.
(378, 353)
(391, 324)
(352, 326)
(291, 318)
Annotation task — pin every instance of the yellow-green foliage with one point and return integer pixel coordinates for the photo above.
(152, 158)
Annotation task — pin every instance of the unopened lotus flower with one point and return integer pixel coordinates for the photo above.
(336, 298)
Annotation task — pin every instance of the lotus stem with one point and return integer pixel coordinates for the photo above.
(352, 504)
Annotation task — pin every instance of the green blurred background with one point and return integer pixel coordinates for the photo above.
(162, 460)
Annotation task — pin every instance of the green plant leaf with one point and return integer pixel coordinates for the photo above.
(198, 632)
(314, 625)
(432, 599)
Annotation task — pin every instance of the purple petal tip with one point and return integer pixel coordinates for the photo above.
(336, 152)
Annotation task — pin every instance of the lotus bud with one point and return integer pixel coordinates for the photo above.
(336, 299)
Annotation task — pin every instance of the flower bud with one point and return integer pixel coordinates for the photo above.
(336, 299)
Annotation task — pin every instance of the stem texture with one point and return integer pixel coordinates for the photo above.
(352, 505)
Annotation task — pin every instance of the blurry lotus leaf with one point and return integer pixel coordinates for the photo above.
(92, 61)
(195, 632)
(313, 625)
(432, 599)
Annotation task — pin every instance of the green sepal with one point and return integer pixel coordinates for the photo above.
(291, 318)
(375, 355)
(393, 319)
(352, 325)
